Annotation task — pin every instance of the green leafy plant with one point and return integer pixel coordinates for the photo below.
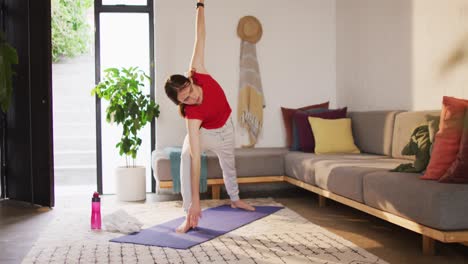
(70, 30)
(128, 106)
(8, 57)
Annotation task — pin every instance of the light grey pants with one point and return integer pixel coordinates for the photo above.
(222, 142)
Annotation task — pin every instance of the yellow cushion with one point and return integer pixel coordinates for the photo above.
(333, 135)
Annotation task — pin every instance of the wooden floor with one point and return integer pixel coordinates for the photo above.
(21, 224)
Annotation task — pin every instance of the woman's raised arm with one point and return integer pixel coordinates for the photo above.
(198, 57)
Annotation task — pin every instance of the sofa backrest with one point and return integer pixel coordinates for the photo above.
(405, 123)
(373, 131)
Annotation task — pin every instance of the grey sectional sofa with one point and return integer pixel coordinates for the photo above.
(438, 211)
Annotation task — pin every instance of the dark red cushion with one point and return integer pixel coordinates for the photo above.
(458, 171)
(287, 119)
(306, 137)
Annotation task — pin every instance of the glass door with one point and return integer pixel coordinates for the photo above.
(124, 38)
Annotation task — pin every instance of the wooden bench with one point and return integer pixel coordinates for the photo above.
(215, 184)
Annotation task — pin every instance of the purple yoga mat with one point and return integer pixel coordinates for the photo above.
(215, 221)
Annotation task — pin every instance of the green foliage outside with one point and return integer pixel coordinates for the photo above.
(128, 105)
(8, 57)
(70, 30)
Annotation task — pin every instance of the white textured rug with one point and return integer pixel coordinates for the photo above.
(283, 237)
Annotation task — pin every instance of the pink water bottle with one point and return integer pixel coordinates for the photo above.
(96, 211)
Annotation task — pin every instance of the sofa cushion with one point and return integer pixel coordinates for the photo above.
(300, 126)
(405, 123)
(333, 135)
(287, 119)
(249, 162)
(458, 171)
(301, 166)
(447, 139)
(437, 205)
(419, 146)
(344, 177)
(373, 131)
(305, 134)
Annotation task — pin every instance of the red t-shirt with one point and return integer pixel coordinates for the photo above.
(214, 110)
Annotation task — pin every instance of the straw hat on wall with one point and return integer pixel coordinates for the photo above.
(249, 29)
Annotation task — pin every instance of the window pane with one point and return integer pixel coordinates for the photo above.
(124, 43)
(124, 2)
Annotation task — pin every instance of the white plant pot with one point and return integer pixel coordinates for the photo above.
(131, 183)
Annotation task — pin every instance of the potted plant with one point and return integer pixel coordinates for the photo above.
(132, 110)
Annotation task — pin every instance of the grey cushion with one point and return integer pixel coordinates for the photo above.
(249, 162)
(301, 165)
(373, 131)
(405, 123)
(260, 161)
(162, 169)
(344, 177)
(437, 205)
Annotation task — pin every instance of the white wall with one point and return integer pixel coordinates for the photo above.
(389, 52)
(373, 54)
(296, 56)
(438, 27)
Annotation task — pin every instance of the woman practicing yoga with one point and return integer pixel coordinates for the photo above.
(207, 113)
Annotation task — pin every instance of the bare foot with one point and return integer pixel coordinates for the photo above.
(184, 227)
(242, 205)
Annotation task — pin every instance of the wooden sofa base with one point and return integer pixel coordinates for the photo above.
(217, 183)
(429, 235)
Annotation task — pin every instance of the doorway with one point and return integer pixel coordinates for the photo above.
(74, 107)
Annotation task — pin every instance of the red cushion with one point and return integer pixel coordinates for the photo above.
(306, 136)
(458, 171)
(287, 118)
(447, 139)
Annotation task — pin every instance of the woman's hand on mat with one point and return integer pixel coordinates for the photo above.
(191, 221)
(194, 214)
(184, 227)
